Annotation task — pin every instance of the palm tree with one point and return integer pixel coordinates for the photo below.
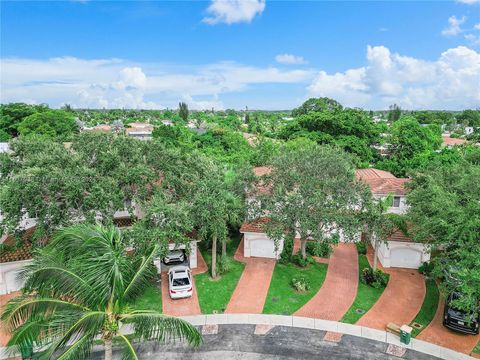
(81, 287)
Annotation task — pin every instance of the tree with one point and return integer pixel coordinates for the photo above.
(317, 105)
(49, 123)
(313, 192)
(214, 208)
(12, 114)
(183, 111)
(82, 285)
(444, 209)
(469, 118)
(394, 113)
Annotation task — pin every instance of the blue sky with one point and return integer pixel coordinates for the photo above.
(237, 53)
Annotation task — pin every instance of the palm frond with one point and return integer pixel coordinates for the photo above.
(151, 325)
(129, 352)
(20, 309)
(79, 350)
(138, 281)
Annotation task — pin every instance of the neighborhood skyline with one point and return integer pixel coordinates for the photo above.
(233, 54)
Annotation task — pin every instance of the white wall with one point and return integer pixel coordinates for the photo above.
(9, 281)
(386, 248)
(402, 209)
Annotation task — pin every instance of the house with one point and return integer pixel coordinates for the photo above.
(141, 131)
(399, 250)
(102, 128)
(4, 147)
(469, 130)
(13, 259)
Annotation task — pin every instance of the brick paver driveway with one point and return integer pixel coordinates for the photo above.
(401, 300)
(183, 307)
(438, 334)
(338, 291)
(252, 288)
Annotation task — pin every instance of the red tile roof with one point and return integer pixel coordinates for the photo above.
(449, 141)
(382, 182)
(254, 226)
(365, 174)
(399, 236)
(13, 253)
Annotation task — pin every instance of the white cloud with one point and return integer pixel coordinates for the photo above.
(469, 2)
(453, 27)
(290, 59)
(451, 82)
(477, 26)
(233, 11)
(115, 83)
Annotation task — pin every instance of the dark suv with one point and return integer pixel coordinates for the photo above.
(459, 320)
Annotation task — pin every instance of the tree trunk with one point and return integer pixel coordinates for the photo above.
(224, 247)
(375, 253)
(303, 247)
(214, 257)
(108, 349)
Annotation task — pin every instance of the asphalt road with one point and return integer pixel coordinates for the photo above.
(239, 342)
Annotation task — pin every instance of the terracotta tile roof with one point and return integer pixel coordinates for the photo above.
(387, 186)
(399, 236)
(254, 226)
(448, 141)
(365, 174)
(24, 252)
(382, 182)
(138, 126)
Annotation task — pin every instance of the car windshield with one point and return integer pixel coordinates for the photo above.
(181, 281)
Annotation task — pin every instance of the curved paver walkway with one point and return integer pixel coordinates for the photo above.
(401, 300)
(252, 288)
(183, 307)
(338, 291)
(438, 334)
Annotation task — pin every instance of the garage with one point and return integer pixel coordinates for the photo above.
(262, 247)
(409, 258)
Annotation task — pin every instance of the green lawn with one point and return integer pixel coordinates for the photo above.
(429, 307)
(476, 349)
(282, 297)
(151, 299)
(366, 296)
(214, 295)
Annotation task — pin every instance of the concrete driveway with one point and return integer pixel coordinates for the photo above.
(241, 342)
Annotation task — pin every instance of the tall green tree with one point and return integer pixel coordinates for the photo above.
(51, 123)
(394, 113)
(445, 211)
(313, 192)
(183, 111)
(81, 286)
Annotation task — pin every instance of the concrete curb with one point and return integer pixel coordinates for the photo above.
(317, 324)
(326, 325)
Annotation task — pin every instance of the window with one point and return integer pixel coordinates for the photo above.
(396, 201)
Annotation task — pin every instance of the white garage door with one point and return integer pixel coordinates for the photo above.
(262, 248)
(405, 258)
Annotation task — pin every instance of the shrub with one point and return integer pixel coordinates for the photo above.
(300, 284)
(426, 268)
(361, 248)
(223, 265)
(300, 261)
(377, 279)
(321, 249)
(286, 255)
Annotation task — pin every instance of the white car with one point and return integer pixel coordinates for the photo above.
(180, 282)
(174, 256)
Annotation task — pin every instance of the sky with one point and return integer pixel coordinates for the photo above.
(270, 55)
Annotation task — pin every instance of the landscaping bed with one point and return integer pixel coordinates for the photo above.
(214, 295)
(428, 309)
(366, 296)
(282, 298)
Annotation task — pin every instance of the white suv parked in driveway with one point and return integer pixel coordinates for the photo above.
(180, 282)
(174, 256)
